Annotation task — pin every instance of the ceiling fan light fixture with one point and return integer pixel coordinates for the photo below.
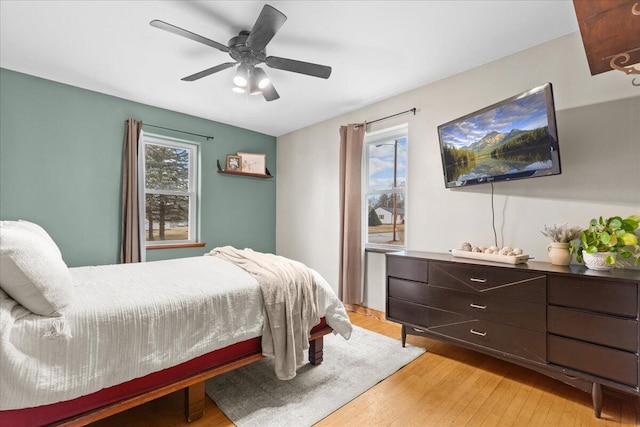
(239, 81)
(238, 89)
(242, 76)
(254, 88)
(261, 78)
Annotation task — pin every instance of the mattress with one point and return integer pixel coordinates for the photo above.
(129, 320)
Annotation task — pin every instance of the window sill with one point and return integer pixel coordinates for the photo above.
(176, 246)
(384, 250)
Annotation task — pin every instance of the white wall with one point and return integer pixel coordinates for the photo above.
(599, 134)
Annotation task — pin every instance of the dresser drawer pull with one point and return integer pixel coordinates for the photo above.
(479, 307)
(418, 330)
(474, 332)
(473, 279)
(571, 377)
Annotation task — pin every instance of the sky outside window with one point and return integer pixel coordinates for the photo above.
(381, 165)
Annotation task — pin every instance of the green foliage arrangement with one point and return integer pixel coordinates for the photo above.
(615, 235)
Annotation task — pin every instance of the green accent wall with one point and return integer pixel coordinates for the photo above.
(61, 167)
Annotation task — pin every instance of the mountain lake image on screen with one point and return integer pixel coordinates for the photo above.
(512, 139)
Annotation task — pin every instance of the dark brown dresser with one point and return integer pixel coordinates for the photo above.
(576, 325)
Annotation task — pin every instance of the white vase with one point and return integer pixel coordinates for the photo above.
(559, 253)
(597, 261)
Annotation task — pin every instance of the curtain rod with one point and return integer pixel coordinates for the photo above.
(178, 130)
(412, 110)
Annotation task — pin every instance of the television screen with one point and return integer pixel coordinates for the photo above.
(512, 139)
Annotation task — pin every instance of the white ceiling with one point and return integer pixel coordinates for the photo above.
(376, 48)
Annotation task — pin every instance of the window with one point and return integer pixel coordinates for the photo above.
(385, 184)
(170, 185)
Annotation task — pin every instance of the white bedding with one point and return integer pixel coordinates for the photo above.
(130, 320)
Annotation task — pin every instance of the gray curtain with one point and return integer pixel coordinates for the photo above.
(131, 245)
(351, 251)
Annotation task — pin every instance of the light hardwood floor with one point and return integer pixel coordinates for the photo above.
(446, 386)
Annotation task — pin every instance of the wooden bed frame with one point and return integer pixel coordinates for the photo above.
(190, 376)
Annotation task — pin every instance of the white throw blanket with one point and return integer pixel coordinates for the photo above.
(289, 294)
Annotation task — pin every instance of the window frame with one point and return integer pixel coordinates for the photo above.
(372, 138)
(192, 192)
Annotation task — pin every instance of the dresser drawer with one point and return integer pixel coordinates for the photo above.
(408, 312)
(408, 268)
(407, 290)
(620, 298)
(615, 365)
(523, 314)
(519, 342)
(596, 328)
(503, 282)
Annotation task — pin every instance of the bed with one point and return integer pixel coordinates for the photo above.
(130, 333)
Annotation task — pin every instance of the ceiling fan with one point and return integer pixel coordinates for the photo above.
(248, 49)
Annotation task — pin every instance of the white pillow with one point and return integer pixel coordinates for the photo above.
(32, 271)
(21, 223)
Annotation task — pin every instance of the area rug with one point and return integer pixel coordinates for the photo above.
(253, 396)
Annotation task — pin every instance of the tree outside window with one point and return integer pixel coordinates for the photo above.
(169, 181)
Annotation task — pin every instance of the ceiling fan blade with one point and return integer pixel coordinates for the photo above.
(188, 34)
(266, 26)
(315, 70)
(208, 71)
(270, 93)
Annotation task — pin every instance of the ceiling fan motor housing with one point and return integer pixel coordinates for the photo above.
(242, 53)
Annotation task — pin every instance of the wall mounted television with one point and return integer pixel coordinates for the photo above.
(513, 139)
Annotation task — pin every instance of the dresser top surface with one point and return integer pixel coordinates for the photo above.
(573, 269)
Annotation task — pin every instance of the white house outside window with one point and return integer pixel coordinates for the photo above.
(170, 190)
(385, 184)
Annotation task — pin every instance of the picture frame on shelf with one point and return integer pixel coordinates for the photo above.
(253, 163)
(234, 163)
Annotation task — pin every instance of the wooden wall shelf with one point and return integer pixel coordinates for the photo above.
(240, 173)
